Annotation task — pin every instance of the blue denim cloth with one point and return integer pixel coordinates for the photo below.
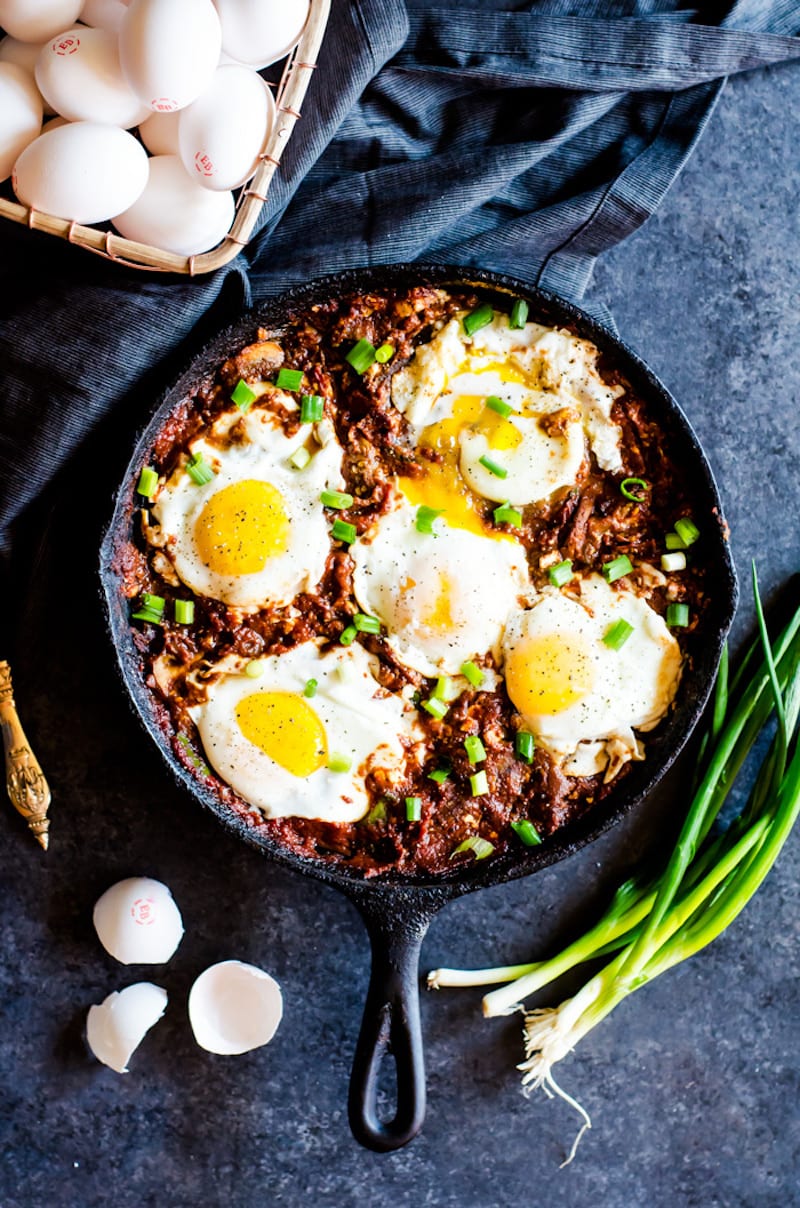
(519, 137)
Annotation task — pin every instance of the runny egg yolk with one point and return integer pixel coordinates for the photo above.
(442, 486)
(241, 527)
(548, 674)
(285, 727)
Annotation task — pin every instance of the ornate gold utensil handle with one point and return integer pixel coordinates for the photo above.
(27, 787)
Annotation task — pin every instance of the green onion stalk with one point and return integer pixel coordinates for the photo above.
(654, 923)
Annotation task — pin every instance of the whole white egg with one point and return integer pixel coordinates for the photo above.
(104, 14)
(174, 213)
(223, 132)
(160, 133)
(84, 172)
(137, 921)
(259, 32)
(24, 54)
(37, 20)
(169, 50)
(20, 114)
(79, 74)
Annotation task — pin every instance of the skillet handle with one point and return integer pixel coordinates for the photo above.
(391, 1024)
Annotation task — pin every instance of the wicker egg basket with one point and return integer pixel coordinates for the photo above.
(289, 97)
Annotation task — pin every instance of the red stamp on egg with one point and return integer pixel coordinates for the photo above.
(164, 104)
(204, 164)
(65, 46)
(143, 911)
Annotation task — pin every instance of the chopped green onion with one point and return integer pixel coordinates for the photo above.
(243, 396)
(445, 689)
(339, 763)
(676, 561)
(310, 688)
(148, 481)
(342, 531)
(626, 485)
(184, 612)
(312, 407)
(507, 515)
(674, 542)
(617, 567)
(687, 530)
(519, 314)
(154, 603)
(300, 458)
(527, 832)
(254, 669)
(478, 318)
(426, 517)
(336, 499)
(384, 353)
(377, 813)
(524, 745)
(677, 616)
(493, 467)
(481, 847)
(361, 356)
(561, 573)
(366, 624)
(348, 636)
(478, 784)
(436, 707)
(472, 673)
(617, 634)
(499, 407)
(147, 614)
(475, 749)
(289, 379)
(199, 470)
(413, 809)
(439, 776)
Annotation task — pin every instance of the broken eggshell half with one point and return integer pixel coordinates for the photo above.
(116, 1028)
(137, 922)
(234, 1007)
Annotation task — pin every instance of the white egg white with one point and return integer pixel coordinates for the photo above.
(260, 452)
(550, 379)
(361, 723)
(581, 698)
(443, 598)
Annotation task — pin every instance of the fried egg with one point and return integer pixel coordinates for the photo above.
(256, 534)
(581, 698)
(559, 406)
(300, 739)
(444, 597)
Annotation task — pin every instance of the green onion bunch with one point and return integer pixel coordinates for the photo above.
(654, 923)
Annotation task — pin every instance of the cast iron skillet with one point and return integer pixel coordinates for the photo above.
(397, 909)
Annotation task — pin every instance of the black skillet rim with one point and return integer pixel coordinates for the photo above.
(666, 742)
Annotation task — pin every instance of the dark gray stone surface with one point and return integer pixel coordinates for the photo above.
(693, 1083)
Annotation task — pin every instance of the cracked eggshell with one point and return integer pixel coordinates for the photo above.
(223, 132)
(169, 50)
(84, 172)
(259, 32)
(79, 74)
(116, 1028)
(137, 922)
(234, 1007)
(176, 214)
(37, 20)
(20, 115)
